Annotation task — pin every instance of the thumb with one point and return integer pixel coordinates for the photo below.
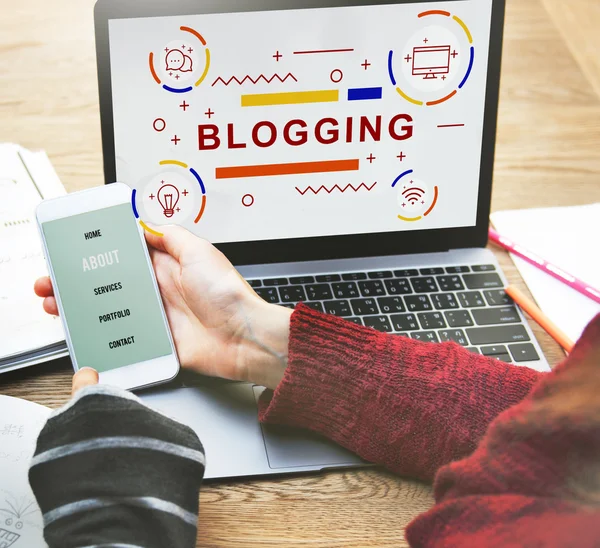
(174, 240)
(84, 377)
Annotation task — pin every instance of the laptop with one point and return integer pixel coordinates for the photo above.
(339, 152)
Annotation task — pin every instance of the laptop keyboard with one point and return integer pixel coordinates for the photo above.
(464, 304)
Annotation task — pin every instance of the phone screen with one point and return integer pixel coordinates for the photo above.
(111, 308)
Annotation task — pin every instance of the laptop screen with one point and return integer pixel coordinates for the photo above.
(272, 125)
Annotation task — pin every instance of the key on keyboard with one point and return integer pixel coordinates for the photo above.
(338, 308)
(425, 336)
(380, 275)
(459, 318)
(418, 303)
(432, 320)
(389, 305)
(354, 277)
(424, 285)
(364, 307)
(497, 334)
(345, 290)
(319, 292)
(292, 294)
(375, 289)
(404, 322)
(482, 281)
(381, 323)
(493, 316)
(398, 287)
(497, 297)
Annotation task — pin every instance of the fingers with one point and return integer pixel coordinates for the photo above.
(50, 306)
(175, 241)
(84, 377)
(43, 287)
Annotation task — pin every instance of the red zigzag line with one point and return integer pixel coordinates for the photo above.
(255, 81)
(334, 187)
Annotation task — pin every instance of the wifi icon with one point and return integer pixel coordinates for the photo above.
(413, 194)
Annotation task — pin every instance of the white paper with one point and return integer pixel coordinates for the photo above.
(25, 178)
(567, 237)
(21, 524)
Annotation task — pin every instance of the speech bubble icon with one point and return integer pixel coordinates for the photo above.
(175, 59)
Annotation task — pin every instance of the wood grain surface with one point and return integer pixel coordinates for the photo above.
(548, 154)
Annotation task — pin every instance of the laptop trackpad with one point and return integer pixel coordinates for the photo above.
(292, 448)
(224, 417)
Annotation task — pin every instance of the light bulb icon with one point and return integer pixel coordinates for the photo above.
(168, 196)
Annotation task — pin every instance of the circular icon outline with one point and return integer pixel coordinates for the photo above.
(436, 194)
(199, 81)
(196, 176)
(464, 80)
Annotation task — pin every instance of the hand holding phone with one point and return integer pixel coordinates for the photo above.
(220, 326)
(105, 288)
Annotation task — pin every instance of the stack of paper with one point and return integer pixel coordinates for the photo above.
(27, 334)
(568, 238)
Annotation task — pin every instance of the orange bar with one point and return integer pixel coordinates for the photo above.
(268, 170)
(442, 100)
(545, 323)
(434, 12)
(151, 61)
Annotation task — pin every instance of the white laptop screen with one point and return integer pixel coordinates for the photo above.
(302, 123)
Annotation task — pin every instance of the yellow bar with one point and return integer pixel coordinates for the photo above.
(147, 228)
(206, 67)
(173, 163)
(409, 99)
(410, 220)
(465, 28)
(291, 98)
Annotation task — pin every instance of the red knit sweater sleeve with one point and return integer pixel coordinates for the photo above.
(409, 406)
(532, 480)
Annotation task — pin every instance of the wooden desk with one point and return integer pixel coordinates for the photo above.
(548, 154)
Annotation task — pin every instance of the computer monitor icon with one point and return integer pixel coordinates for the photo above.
(429, 61)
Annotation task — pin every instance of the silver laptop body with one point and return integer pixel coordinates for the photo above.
(428, 279)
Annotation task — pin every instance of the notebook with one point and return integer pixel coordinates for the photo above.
(567, 237)
(21, 523)
(27, 334)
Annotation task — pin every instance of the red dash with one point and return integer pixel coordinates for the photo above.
(195, 33)
(323, 51)
(151, 61)
(452, 125)
(442, 100)
(434, 12)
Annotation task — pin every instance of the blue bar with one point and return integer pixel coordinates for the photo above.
(364, 94)
(176, 90)
(135, 211)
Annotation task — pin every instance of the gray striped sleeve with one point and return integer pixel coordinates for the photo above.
(109, 471)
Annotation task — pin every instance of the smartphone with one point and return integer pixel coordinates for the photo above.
(105, 287)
